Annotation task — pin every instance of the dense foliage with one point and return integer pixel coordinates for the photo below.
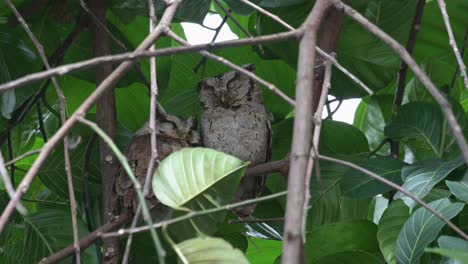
(348, 222)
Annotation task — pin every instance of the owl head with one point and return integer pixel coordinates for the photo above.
(227, 89)
(174, 127)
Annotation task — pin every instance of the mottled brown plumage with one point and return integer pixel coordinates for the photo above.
(234, 120)
(173, 134)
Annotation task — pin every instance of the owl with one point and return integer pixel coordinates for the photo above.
(173, 133)
(234, 121)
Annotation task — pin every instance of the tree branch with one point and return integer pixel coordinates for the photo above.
(401, 83)
(84, 107)
(87, 240)
(418, 72)
(293, 250)
(453, 43)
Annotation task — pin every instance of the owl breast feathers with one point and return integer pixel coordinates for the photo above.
(234, 120)
(173, 134)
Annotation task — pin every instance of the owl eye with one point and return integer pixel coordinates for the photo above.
(233, 84)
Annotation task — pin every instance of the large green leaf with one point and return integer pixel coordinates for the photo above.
(209, 250)
(343, 236)
(389, 227)
(42, 234)
(418, 121)
(189, 172)
(459, 189)
(240, 7)
(358, 184)
(451, 247)
(371, 117)
(455, 254)
(422, 228)
(420, 178)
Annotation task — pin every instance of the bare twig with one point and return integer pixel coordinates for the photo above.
(239, 69)
(195, 214)
(152, 127)
(453, 43)
(399, 188)
(233, 19)
(319, 50)
(280, 166)
(63, 118)
(136, 184)
(293, 251)
(462, 52)
(418, 72)
(315, 142)
(141, 53)
(264, 220)
(9, 186)
(27, 154)
(84, 107)
(401, 83)
(87, 240)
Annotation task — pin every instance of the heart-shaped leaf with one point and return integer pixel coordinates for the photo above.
(209, 250)
(422, 228)
(420, 178)
(358, 184)
(186, 173)
(389, 227)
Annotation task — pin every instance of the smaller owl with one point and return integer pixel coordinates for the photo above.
(234, 121)
(173, 134)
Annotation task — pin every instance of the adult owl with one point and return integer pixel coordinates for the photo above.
(173, 133)
(234, 121)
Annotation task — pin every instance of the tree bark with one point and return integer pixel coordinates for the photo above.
(106, 121)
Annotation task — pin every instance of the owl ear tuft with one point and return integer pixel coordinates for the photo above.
(250, 67)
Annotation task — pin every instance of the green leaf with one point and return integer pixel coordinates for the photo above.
(263, 251)
(350, 257)
(389, 227)
(280, 3)
(371, 117)
(42, 234)
(422, 228)
(358, 184)
(420, 178)
(420, 122)
(209, 250)
(186, 173)
(459, 189)
(456, 254)
(343, 236)
(452, 242)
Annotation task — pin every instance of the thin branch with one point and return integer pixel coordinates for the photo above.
(194, 214)
(63, 118)
(87, 240)
(22, 156)
(9, 186)
(264, 220)
(233, 66)
(465, 43)
(10, 155)
(141, 53)
(401, 83)
(152, 127)
(233, 19)
(418, 72)
(318, 49)
(315, 143)
(453, 43)
(399, 188)
(84, 107)
(280, 166)
(41, 121)
(293, 250)
(136, 184)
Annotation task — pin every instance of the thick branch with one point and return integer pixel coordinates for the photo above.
(293, 251)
